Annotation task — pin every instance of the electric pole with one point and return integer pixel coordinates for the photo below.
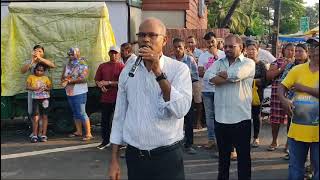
(275, 27)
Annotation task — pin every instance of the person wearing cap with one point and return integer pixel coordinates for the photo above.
(74, 80)
(127, 53)
(106, 78)
(260, 82)
(304, 109)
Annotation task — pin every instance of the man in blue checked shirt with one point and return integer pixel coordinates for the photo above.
(180, 55)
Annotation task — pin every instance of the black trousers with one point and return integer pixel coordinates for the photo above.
(237, 135)
(163, 166)
(107, 110)
(188, 128)
(256, 119)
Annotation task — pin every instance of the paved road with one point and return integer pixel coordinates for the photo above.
(69, 158)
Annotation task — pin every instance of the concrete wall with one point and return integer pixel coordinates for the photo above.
(135, 21)
(172, 19)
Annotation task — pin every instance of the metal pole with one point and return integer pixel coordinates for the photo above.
(275, 28)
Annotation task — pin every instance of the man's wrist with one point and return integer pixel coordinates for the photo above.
(157, 73)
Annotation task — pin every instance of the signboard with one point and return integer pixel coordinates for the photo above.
(304, 24)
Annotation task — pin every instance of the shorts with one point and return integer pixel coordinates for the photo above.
(78, 107)
(40, 107)
(196, 92)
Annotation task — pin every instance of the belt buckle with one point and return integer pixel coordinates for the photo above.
(142, 155)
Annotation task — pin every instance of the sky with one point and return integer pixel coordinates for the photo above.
(310, 2)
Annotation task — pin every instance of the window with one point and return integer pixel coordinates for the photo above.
(201, 8)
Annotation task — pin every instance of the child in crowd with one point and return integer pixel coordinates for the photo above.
(39, 85)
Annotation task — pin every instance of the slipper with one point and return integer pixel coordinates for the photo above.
(272, 148)
(87, 138)
(74, 135)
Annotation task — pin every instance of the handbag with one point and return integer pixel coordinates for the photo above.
(255, 95)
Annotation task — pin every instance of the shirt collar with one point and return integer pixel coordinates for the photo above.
(162, 59)
(183, 59)
(241, 57)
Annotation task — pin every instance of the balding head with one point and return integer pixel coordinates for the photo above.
(152, 33)
(154, 22)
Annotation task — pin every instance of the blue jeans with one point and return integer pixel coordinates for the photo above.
(78, 107)
(298, 154)
(208, 101)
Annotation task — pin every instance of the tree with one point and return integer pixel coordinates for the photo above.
(291, 12)
(230, 13)
(313, 13)
(217, 12)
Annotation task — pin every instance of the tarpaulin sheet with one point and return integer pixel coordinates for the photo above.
(56, 26)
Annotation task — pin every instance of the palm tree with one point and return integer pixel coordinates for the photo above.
(218, 12)
(230, 13)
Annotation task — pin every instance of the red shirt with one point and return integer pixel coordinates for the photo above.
(109, 71)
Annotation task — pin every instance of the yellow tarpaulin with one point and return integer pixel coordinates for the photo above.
(313, 31)
(56, 26)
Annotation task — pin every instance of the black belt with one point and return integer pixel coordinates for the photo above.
(155, 151)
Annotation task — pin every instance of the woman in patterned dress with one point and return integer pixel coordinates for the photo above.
(74, 80)
(277, 115)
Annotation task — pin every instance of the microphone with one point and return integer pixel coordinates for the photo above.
(134, 68)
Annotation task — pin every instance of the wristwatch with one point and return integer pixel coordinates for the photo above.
(161, 77)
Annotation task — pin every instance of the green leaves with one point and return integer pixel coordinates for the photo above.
(254, 17)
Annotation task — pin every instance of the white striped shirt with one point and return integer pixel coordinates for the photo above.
(232, 101)
(142, 118)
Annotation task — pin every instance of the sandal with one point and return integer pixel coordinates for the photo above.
(74, 135)
(43, 138)
(34, 139)
(272, 147)
(87, 138)
(255, 143)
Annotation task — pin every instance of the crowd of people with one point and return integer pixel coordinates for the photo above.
(153, 113)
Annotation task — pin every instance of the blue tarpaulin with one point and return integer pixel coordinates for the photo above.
(292, 39)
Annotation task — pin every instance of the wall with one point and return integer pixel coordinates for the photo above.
(164, 5)
(193, 21)
(118, 13)
(172, 19)
(135, 21)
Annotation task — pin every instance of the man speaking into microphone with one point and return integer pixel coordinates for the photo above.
(149, 110)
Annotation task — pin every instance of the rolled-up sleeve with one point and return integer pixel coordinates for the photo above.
(245, 70)
(180, 96)
(116, 136)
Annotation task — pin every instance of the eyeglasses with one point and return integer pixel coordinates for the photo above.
(151, 35)
(229, 46)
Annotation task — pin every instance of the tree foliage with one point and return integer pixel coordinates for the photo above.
(255, 17)
(313, 13)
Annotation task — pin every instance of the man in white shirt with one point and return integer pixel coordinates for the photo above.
(265, 56)
(233, 77)
(127, 53)
(205, 62)
(149, 110)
